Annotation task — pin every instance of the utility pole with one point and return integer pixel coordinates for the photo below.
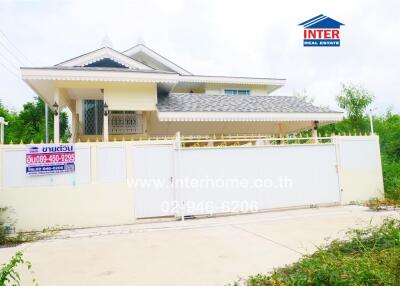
(46, 114)
(371, 121)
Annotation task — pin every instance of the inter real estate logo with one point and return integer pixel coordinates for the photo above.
(321, 31)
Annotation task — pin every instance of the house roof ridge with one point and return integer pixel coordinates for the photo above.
(158, 54)
(105, 50)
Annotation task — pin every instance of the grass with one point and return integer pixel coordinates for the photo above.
(379, 204)
(369, 256)
(10, 238)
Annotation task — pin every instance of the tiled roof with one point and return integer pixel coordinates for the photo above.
(194, 102)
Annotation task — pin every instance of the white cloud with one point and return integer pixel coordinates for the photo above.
(249, 38)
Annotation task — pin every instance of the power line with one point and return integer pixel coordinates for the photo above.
(11, 53)
(15, 47)
(8, 61)
(10, 71)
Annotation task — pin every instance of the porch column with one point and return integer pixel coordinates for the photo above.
(74, 127)
(105, 123)
(56, 111)
(281, 133)
(315, 131)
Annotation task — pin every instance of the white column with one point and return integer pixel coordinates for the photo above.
(56, 112)
(105, 126)
(1, 133)
(315, 131)
(281, 132)
(74, 130)
(2, 124)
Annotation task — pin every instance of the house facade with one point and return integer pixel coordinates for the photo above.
(139, 93)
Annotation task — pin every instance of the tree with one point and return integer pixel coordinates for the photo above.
(355, 100)
(29, 124)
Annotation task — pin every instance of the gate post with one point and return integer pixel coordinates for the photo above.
(336, 142)
(176, 178)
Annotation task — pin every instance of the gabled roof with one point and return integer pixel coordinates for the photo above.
(321, 22)
(144, 54)
(105, 53)
(193, 102)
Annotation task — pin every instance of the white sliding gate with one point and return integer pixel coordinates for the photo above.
(257, 178)
(194, 181)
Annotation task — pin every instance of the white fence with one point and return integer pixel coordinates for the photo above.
(117, 182)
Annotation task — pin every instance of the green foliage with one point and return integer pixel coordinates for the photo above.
(369, 256)
(388, 129)
(355, 100)
(8, 273)
(29, 124)
(391, 178)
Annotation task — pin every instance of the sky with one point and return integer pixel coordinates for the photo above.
(236, 38)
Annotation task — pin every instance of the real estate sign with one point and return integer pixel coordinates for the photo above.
(50, 159)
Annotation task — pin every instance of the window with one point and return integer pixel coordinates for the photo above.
(237, 91)
(93, 117)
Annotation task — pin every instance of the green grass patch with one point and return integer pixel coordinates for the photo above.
(369, 256)
(8, 237)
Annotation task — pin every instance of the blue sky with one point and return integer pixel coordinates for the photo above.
(241, 38)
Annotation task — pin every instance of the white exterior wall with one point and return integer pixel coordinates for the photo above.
(98, 192)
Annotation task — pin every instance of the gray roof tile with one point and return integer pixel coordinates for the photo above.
(194, 102)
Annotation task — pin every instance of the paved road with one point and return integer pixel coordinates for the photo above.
(212, 251)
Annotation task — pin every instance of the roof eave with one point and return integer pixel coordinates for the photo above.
(51, 73)
(251, 116)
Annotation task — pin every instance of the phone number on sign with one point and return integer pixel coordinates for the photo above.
(210, 207)
(50, 158)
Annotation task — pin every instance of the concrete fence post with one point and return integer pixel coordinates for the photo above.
(176, 177)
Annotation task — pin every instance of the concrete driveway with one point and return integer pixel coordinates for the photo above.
(212, 251)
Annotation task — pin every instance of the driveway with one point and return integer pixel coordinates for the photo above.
(211, 251)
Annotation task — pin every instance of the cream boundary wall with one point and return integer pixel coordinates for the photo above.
(98, 194)
(359, 167)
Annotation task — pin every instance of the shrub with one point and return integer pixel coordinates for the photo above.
(391, 178)
(369, 256)
(9, 274)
